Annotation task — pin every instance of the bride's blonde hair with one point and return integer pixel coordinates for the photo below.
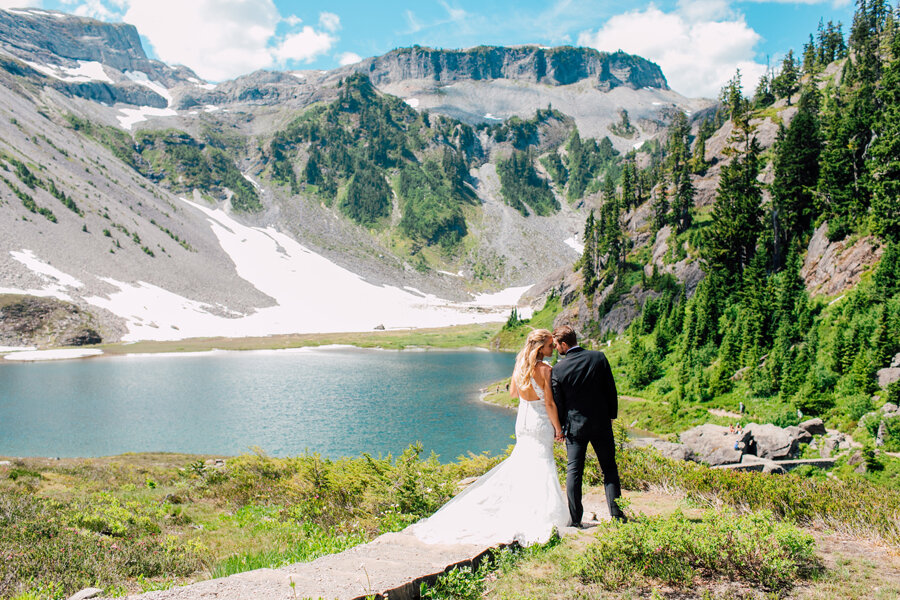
(527, 359)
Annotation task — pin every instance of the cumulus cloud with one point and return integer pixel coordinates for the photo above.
(349, 58)
(20, 3)
(329, 21)
(219, 39)
(305, 45)
(699, 45)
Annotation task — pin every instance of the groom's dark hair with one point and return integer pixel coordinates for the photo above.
(565, 335)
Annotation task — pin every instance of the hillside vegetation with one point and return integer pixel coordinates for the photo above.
(751, 332)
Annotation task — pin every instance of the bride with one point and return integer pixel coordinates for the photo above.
(519, 500)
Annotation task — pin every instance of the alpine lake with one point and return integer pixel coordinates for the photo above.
(332, 401)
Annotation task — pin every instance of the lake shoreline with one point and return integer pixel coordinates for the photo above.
(454, 338)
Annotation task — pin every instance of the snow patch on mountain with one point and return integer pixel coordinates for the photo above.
(131, 116)
(141, 79)
(87, 70)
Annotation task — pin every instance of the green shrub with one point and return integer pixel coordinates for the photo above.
(752, 548)
(40, 550)
(853, 505)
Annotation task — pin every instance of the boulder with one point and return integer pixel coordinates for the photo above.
(773, 442)
(887, 376)
(715, 444)
(832, 443)
(890, 409)
(813, 427)
(670, 450)
(801, 435)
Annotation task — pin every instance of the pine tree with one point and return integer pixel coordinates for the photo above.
(698, 159)
(629, 196)
(588, 256)
(683, 202)
(787, 82)
(811, 56)
(736, 217)
(796, 176)
(885, 152)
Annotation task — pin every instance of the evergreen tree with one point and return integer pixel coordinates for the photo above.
(885, 152)
(683, 202)
(312, 174)
(787, 82)
(698, 159)
(811, 56)
(796, 176)
(731, 239)
(629, 195)
(763, 95)
(588, 256)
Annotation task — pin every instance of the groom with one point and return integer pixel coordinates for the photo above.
(585, 394)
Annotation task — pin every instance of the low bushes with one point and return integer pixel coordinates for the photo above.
(852, 505)
(753, 548)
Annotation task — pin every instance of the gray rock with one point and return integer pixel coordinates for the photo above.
(670, 450)
(833, 267)
(882, 433)
(715, 444)
(552, 66)
(887, 376)
(86, 593)
(773, 442)
(889, 408)
(813, 426)
(832, 444)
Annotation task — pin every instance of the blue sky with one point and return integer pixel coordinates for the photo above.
(698, 43)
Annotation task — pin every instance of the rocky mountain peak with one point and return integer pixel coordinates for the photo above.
(45, 36)
(561, 65)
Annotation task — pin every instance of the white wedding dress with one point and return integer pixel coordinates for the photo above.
(519, 500)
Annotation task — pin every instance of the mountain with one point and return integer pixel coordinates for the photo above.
(171, 207)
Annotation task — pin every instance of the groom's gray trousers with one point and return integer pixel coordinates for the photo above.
(600, 436)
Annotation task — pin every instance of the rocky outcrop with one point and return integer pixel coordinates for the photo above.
(813, 426)
(59, 39)
(715, 444)
(107, 93)
(833, 267)
(774, 443)
(33, 321)
(45, 36)
(552, 66)
(686, 270)
(670, 450)
(889, 374)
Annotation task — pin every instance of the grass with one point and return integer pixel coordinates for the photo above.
(145, 521)
(142, 521)
(455, 337)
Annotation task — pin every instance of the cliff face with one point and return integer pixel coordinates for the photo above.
(552, 66)
(43, 36)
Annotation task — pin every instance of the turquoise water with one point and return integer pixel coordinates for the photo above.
(338, 402)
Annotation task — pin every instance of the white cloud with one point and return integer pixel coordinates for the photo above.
(20, 3)
(349, 58)
(455, 15)
(698, 46)
(329, 21)
(304, 45)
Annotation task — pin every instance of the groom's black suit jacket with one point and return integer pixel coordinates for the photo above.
(584, 391)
